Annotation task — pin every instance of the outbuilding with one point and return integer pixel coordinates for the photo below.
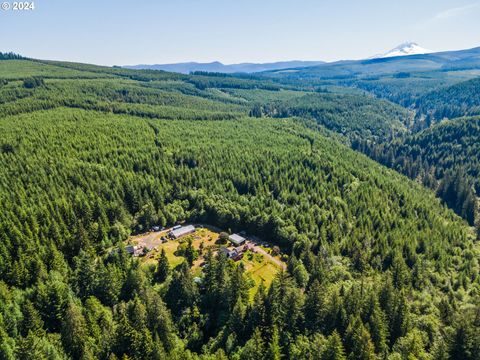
(236, 239)
(135, 250)
(182, 231)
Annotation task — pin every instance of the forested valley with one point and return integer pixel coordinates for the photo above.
(411, 138)
(444, 158)
(377, 266)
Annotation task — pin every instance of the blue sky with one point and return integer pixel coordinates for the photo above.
(162, 31)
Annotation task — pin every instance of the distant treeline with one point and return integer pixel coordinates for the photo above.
(11, 56)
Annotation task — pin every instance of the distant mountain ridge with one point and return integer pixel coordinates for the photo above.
(216, 66)
(408, 56)
(348, 69)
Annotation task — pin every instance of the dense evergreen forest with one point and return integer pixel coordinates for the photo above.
(434, 159)
(461, 99)
(409, 88)
(444, 157)
(430, 96)
(377, 267)
(354, 116)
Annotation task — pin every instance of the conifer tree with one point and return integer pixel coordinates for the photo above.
(163, 267)
(361, 344)
(333, 348)
(254, 348)
(182, 292)
(274, 351)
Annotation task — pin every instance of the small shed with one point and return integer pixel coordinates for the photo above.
(236, 239)
(135, 250)
(182, 231)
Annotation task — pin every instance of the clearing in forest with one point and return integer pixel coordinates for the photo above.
(260, 265)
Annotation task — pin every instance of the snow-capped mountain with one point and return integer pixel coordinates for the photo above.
(407, 48)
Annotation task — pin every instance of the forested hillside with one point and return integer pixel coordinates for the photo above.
(355, 116)
(437, 85)
(462, 99)
(406, 88)
(376, 267)
(444, 157)
(401, 79)
(432, 93)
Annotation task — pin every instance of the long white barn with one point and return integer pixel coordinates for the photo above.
(182, 231)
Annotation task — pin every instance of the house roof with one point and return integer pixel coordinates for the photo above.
(236, 239)
(134, 249)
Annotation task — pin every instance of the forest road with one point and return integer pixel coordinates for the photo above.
(270, 258)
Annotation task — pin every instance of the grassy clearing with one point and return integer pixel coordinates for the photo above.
(201, 239)
(258, 267)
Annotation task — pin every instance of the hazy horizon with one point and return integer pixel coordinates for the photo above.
(125, 33)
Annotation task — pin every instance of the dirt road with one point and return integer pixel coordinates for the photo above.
(151, 239)
(270, 258)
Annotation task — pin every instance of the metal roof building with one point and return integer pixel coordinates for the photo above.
(182, 231)
(236, 239)
(135, 250)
